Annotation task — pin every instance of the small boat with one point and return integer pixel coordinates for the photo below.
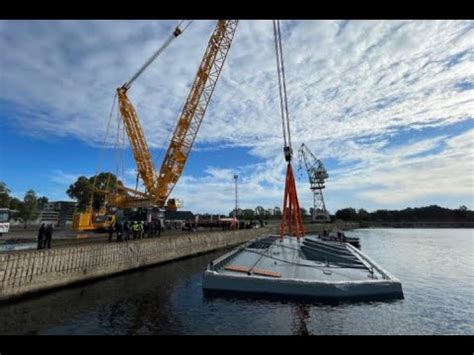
(339, 236)
(308, 267)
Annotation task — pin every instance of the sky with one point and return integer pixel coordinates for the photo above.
(388, 106)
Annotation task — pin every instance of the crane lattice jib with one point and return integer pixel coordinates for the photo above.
(315, 168)
(137, 140)
(194, 109)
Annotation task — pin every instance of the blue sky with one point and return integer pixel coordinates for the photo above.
(387, 105)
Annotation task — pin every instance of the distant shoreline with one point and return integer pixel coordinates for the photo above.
(417, 224)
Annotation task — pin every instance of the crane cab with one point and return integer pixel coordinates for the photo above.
(91, 221)
(173, 204)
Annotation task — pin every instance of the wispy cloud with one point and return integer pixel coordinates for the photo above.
(351, 85)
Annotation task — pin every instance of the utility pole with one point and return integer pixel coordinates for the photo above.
(236, 196)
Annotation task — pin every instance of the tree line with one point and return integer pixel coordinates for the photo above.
(260, 212)
(28, 208)
(82, 191)
(421, 214)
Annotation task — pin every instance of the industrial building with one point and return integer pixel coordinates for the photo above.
(59, 213)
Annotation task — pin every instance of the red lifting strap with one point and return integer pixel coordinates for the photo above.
(291, 217)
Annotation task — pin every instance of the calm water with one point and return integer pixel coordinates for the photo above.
(436, 267)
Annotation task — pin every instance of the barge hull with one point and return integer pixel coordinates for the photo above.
(268, 266)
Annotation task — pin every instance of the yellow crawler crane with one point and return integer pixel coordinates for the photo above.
(91, 220)
(159, 185)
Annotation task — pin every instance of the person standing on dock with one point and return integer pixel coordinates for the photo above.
(145, 229)
(126, 230)
(153, 228)
(118, 229)
(141, 228)
(49, 236)
(41, 236)
(158, 227)
(111, 232)
(135, 230)
(150, 229)
(132, 229)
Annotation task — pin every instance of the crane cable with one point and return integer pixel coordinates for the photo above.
(117, 145)
(102, 150)
(282, 86)
(177, 31)
(107, 184)
(123, 147)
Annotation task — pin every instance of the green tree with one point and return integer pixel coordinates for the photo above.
(363, 215)
(259, 211)
(248, 213)
(277, 211)
(15, 203)
(4, 195)
(29, 207)
(268, 213)
(347, 214)
(42, 201)
(461, 213)
(239, 213)
(303, 212)
(81, 190)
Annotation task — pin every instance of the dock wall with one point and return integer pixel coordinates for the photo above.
(23, 272)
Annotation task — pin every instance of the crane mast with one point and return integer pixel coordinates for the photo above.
(159, 186)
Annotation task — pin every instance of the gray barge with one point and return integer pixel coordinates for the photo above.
(308, 268)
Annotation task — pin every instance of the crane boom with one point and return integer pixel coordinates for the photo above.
(177, 32)
(137, 140)
(159, 186)
(195, 107)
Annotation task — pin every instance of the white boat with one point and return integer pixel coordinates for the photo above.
(339, 236)
(309, 268)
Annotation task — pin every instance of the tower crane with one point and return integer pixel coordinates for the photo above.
(159, 185)
(317, 175)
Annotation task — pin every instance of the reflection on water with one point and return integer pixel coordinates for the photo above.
(435, 266)
(17, 246)
(301, 318)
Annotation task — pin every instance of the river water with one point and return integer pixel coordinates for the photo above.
(435, 266)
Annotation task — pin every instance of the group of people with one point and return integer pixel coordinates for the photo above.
(45, 234)
(135, 229)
